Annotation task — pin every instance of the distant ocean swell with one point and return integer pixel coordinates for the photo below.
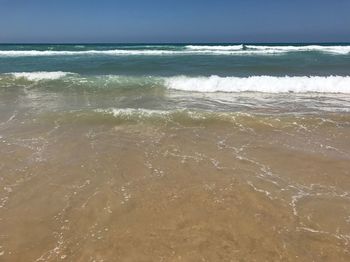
(265, 84)
(184, 50)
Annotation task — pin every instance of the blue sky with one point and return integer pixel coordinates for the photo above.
(175, 21)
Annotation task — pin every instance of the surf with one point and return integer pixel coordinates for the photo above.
(171, 50)
(201, 84)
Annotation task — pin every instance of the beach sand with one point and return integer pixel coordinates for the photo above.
(252, 188)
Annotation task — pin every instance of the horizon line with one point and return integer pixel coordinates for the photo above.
(165, 43)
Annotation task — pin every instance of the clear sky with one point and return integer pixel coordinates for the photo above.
(174, 21)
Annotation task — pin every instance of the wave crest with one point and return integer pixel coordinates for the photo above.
(41, 75)
(308, 48)
(185, 50)
(267, 84)
(209, 84)
(216, 47)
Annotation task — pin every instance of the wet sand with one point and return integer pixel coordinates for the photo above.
(248, 188)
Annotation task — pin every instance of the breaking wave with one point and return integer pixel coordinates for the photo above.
(216, 48)
(37, 76)
(308, 48)
(184, 50)
(267, 84)
(209, 84)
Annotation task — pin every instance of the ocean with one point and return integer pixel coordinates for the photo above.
(170, 152)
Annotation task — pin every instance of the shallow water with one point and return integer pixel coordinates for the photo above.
(84, 180)
(127, 168)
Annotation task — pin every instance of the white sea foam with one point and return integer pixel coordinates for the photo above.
(283, 49)
(142, 113)
(120, 52)
(189, 50)
(215, 48)
(268, 84)
(265, 84)
(37, 76)
(117, 52)
(17, 53)
(139, 113)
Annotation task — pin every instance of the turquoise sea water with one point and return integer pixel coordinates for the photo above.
(213, 77)
(171, 60)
